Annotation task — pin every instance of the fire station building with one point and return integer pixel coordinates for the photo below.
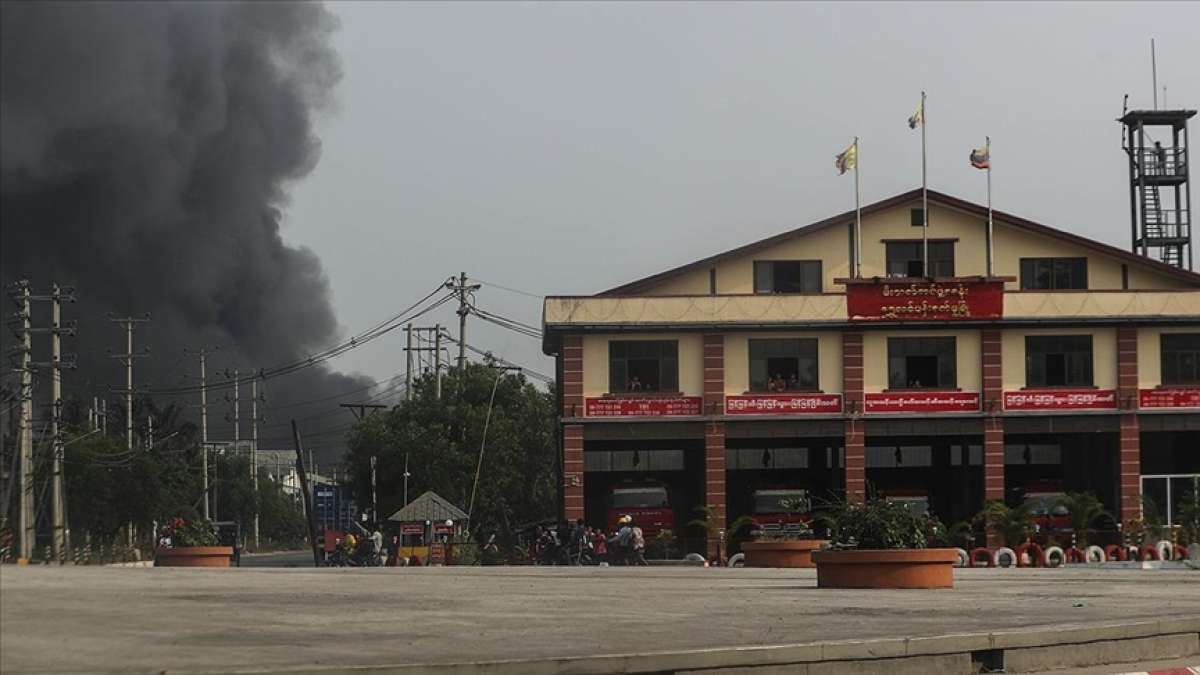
(1073, 366)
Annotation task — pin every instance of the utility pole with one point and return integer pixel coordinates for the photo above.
(463, 290)
(374, 501)
(406, 475)
(408, 353)
(104, 417)
(149, 432)
(437, 361)
(26, 519)
(361, 410)
(128, 323)
(254, 452)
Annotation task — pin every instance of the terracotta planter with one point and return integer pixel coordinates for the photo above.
(898, 568)
(194, 556)
(795, 553)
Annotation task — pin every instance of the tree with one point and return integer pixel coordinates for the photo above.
(442, 440)
(1013, 524)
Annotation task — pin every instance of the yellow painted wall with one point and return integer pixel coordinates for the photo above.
(966, 345)
(1104, 354)
(831, 246)
(737, 359)
(691, 361)
(1150, 353)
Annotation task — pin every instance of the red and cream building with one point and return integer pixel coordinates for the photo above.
(1073, 366)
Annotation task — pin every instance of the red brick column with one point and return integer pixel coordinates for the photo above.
(572, 471)
(714, 432)
(1129, 445)
(572, 401)
(852, 394)
(572, 376)
(993, 407)
(714, 476)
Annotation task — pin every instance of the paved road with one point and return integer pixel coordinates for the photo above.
(279, 559)
(150, 619)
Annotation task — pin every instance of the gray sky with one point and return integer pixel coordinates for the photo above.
(566, 148)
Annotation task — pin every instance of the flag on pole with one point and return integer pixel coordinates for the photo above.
(981, 158)
(847, 159)
(918, 117)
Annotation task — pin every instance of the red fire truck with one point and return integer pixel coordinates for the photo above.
(648, 503)
(771, 517)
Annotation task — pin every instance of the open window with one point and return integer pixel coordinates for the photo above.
(1058, 361)
(783, 364)
(904, 258)
(922, 363)
(1180, 358)
(787, 276)
(1053, 273)
(643, 366)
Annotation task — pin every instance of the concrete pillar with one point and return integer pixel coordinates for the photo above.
(572, 402)
(993, 408)
(714, 432)
(855, 437)
(1129, 447)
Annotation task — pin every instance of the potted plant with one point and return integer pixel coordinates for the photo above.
(1012, 524)
(191, 543)
(715, 530)
(789, 547)
(881, 544)
(1085, 510)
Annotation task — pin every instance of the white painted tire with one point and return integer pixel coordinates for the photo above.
(999, 555)
(737, 560)
(1166, 550)
(694, 557)
(1094, 554)
(964, 558)
(1055, 556)
(1133, 553)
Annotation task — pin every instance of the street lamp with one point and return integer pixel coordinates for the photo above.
(500, 370)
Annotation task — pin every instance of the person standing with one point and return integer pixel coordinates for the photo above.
(639, 545)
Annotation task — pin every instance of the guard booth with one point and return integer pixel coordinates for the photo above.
(425, 526)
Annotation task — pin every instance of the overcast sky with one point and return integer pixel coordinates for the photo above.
(566, 148)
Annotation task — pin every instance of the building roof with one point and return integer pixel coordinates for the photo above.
(641, 285)
(430, 506)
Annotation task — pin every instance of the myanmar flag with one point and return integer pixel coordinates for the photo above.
(847, 159)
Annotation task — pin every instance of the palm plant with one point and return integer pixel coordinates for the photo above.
(1014, 524)
(712, 524)
(1085, 509)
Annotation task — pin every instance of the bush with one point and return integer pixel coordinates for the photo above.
(874, 524)
(195, 532)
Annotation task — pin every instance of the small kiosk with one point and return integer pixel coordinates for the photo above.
(425, 526)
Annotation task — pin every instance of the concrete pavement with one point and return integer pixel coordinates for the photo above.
(91, 619)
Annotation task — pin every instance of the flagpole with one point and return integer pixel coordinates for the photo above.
(924, 196)
(990, 252)
(857, 218)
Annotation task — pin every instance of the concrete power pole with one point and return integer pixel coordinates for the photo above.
(463, 290)
(437, 361)
(26, 519)
(254, 452)
(374, 501)
(204, 426)
(408, 353)
(129, 322)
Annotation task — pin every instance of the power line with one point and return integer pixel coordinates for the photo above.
(509, 289)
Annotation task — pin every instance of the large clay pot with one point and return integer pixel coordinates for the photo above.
(194, 556)
(795, 553)
(883, 568)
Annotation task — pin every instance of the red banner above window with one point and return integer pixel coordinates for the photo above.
(900, 300)
(1060, 399)
(1169, 398)
(641, 407)
(922, 401)
(783, 404)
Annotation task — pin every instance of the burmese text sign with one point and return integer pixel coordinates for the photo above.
(902, 300)
(1169, 398)
(1061, 399)
(783, 404)
(614, 406)
(921, 401)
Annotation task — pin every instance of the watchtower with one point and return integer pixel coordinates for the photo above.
(1160, 196)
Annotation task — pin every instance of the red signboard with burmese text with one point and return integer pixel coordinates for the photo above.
(1061, 399)
(921, 401)
(899, 300)
(1169, 398)
(615, 406)
(783, 404)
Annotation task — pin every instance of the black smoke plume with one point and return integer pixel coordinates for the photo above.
(145, 153)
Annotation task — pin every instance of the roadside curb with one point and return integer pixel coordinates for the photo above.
(1013, 651)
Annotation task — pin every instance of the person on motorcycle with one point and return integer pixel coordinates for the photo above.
(621, 544)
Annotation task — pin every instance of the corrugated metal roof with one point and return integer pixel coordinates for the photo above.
(429, 506)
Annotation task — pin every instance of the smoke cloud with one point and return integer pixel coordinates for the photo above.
(145, 154)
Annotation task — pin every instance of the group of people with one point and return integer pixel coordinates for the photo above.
(779, 383)
(364, 551)
(580, 544)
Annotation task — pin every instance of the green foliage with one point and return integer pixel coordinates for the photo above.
(441, 439)
(958, 535)
(194, 532)
(1086, 511)
(1187, 514)
(1013, 524)
(664, 546)
(874, 523)
(712, 524)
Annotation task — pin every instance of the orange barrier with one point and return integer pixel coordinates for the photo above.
(1115, 552)
(1076, 555)
(1037, 555)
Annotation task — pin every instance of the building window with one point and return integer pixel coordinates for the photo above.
(1180, 358)
(1046, 274)
(917, 217)
(787, 276)
(783, 364)
(643, 365)
(904, 259)
(753, 459)
(892, 457)
(1032, 454)
(922, 363)
(1058, 360)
